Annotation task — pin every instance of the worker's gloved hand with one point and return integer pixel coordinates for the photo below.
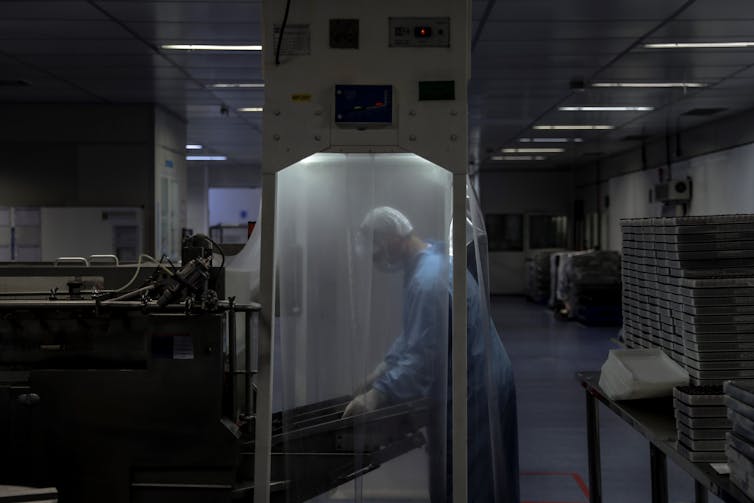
(373, 376)
(366, 402)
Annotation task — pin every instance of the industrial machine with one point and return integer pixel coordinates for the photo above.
(142, 395)
(365, 107)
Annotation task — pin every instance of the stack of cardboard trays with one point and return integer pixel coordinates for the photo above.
(538, 277)
(739, 398)
(701, 422)
(593, 287)
(688, 288)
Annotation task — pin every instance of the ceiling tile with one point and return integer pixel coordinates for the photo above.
(52, 10)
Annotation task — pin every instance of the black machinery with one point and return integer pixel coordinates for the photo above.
(140, 396)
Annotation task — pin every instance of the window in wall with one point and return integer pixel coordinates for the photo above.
(548, 231)
(505, 232)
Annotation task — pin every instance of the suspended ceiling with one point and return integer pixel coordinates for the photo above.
(530, 57)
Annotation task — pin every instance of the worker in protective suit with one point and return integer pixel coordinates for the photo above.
(410, 367)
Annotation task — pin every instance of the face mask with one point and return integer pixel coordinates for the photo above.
(384, 260)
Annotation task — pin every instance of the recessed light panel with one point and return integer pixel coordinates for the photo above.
(573, 127)
(649, 85)
(606, 109)
(206, 158)
(533, 150)
(211, 47)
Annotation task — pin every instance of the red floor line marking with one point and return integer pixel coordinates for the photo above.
(576, 477)
(581, 484)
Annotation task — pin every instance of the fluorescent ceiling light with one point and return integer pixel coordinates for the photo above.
(238, 85)
(605, 109)
(206, 158)
(250, 109)
(194, 147)
(517, 158)
(701, 45)
(211, 47)
(565, 127)
(550, 140)
(533, 150)
(648, 84)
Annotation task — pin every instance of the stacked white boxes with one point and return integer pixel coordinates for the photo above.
(688, 288)
(538, 277)
(701, 422)
(739, 398)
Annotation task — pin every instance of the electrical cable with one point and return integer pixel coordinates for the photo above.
(282, 29)
(128, 294)
(138, 269)
(217, 246)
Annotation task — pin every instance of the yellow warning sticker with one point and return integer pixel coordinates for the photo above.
(301, 98)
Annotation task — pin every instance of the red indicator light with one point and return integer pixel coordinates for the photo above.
(422, 32)
(379, 104)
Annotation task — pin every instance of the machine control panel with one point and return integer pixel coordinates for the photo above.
(419, 32)
(363, 105)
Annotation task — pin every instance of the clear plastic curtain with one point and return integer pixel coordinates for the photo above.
(492, 416)
(341, 318)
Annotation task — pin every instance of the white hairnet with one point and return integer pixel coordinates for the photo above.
(386, 220)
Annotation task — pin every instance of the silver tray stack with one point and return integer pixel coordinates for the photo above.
(739, 448)
(688, 288)
(702, 423)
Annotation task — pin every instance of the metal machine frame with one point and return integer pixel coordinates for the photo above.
(299, 121)
(130, 400)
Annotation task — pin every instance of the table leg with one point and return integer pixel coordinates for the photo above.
(593, 449)
(659, 470)
(700, 492)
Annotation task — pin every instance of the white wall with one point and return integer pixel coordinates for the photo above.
(197, 218)
(521, 192)
(233, 206)
(723, 182)
(170, 182)
(80, 232)
(79, 155)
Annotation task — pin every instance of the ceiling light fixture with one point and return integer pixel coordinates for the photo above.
(575, 127)
(648, 84)
(211, 47)
(605, 109)
(238, 85)
(194, 147)
(250, 109)
(550, 140)
(533, 150)
(206, 158)
(517, 158)
(701, 45)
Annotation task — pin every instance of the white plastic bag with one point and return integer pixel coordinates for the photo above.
(630, 374)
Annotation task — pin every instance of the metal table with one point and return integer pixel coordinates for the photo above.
(654, 420)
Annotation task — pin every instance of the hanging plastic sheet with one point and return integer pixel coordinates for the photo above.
(492, 417)
(347, 326)
(364, 377)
